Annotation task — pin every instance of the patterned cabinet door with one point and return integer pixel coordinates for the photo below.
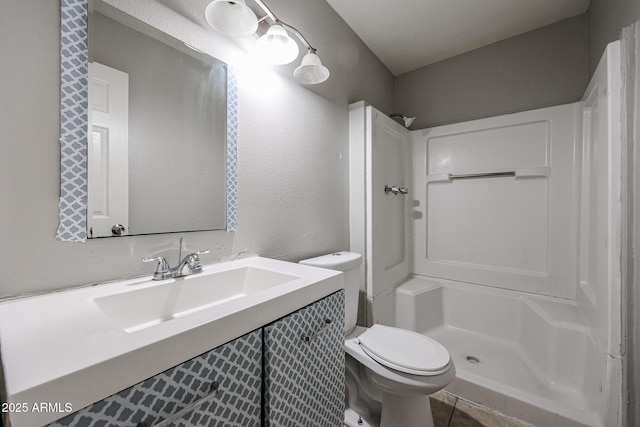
(304, 366)
(219, 388)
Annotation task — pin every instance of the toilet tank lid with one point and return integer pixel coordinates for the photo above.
(341, 261)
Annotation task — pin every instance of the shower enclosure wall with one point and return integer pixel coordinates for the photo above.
(506, 248)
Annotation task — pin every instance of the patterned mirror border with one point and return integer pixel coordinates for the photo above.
(74, 121)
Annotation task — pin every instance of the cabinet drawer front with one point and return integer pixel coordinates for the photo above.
(235, 366)
(304, 366)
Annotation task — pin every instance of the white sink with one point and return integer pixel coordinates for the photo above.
(134, 310)
(88, 343)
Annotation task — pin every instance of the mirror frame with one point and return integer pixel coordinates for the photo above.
(74, 121)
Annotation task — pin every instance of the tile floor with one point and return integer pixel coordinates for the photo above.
(451, 411)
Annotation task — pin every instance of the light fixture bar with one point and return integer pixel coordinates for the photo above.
(266, 10)
(299, 35)
(277, 20)
(235, 19)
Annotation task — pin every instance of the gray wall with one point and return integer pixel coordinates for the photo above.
(537, 69)
(607, 18)
(544, 67)
(293, 148)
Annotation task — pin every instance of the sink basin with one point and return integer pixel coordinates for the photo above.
(175, 298)
(88, 343)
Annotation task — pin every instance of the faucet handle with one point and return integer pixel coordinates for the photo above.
(194, 261)
(163, 271)
(198, 253)
(195, 257)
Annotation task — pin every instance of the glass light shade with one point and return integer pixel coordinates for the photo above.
(231, 17)
(311, 71)
(276, 47)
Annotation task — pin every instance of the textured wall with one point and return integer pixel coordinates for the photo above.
(541, 68)
(293, 149)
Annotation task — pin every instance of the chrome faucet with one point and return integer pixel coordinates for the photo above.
(163, 271)
(190, 264)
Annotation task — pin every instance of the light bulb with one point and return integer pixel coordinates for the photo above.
(276, 47)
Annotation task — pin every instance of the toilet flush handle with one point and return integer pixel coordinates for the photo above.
(307, 338)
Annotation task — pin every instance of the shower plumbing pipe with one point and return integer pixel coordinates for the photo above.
(396, 190)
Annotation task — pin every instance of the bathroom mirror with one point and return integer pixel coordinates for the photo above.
(159, 153)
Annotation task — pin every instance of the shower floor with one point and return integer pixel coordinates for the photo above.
(494, 373)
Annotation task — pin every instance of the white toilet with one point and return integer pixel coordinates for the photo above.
(390, 371)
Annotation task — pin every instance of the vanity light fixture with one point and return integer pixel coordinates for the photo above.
(235, 19)
(231, 17)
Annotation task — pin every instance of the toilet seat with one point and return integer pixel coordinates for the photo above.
(403, 350)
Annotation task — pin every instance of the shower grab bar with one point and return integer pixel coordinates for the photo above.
(482, 175)
(536, 172)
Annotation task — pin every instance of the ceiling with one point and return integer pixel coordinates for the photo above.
(409, 34)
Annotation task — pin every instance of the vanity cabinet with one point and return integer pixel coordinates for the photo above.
(288, 373)
(219, 388)
(304, 366)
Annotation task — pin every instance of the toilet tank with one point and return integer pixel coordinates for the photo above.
(349, 264)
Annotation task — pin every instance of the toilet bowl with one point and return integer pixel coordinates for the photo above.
(404, 396)
(395, 367)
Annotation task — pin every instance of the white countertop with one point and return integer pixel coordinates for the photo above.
(61, 348)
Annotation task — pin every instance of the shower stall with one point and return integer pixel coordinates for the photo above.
(501, 238)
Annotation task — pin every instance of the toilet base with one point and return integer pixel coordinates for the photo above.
(353, 419)
(405, 411)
